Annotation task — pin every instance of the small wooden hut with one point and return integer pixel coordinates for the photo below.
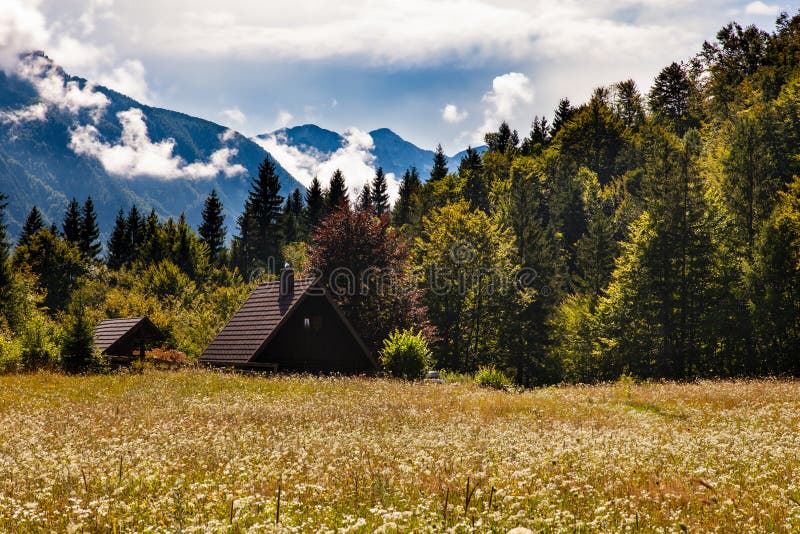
(124, 340)
(290, 325)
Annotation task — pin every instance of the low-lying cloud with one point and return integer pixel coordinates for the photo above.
(355, 159)
(137, 155)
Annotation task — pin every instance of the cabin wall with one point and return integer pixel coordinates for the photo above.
(324, 345)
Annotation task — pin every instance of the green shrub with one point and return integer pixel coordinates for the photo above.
(491, 377)
(405, 354)
(10, 354)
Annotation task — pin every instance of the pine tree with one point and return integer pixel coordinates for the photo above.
(32, 225)
(670, 98)
(77, 352)
(439, 169)
(337, 191)
(71, 227)
(134, 233)
(562, 115)
(628, 104)
(260, 224)
(212, 230)
(380, 196)
(292, 218)
(4, 245)
(154, 247)
(118, 246)
(183, 256)
(365, 199)
(89, 243)
(475, 190)
(315, 204)
(405, 209)
(502, 140)
(538, 139)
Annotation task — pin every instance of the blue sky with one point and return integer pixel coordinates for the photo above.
(256, 66)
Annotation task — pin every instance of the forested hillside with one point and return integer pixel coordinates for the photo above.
(652, 232)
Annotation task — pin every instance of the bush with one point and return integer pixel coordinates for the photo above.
(491, 377)
(405, 354)
(10, 354)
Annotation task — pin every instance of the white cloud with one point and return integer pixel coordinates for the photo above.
(451, 114)
(355, 159)
(54, 91)
(137, 155)
(22, 28)
(508, 92)
(284, 118)
(235, 116)
(760, 8)
(128, 79)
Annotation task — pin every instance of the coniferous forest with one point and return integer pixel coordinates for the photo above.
(651, 232)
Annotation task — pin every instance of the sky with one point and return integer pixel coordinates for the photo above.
(433, 71)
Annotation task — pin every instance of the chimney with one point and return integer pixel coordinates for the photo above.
(287, 280)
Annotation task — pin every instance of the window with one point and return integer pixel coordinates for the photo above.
(307, 323)
(312, 323)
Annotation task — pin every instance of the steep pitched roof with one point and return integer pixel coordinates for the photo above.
(259, 319)
(110, 332)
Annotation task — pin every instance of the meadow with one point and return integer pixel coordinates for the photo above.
(203, 451)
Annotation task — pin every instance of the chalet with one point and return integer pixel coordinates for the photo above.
(123, 340)
(290, 325)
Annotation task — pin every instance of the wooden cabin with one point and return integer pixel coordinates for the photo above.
(124, 340)
(290, 325)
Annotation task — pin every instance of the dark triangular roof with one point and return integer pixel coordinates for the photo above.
(112, 332)
(259, 320)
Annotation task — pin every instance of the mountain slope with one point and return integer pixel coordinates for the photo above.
(391, 151)
(38, 166)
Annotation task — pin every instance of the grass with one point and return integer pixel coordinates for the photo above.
(200, 451)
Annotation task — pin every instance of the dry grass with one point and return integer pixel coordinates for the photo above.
(201, 451)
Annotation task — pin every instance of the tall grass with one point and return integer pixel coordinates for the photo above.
(202, 451)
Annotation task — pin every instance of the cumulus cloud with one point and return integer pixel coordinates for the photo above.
(235, 116)
(509, 91)
(284, 118)
(137, 155)
(355, 159)
(453, 115)
(22, 28)
(760, 8)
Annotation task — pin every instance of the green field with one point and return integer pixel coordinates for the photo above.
(200, 451)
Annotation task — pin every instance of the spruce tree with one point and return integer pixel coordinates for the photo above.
(562, 115)
(439, 170)
(212, 230)
(118, 248)
(32, 225)
(380, 196)
(77, 351)
(405, 207)
(670, 98)
(503, 140)
(154, 246)
(89, 242)
(365, 199)
(291, 218)
(135, 230)
(315, 204)
(71, 227)
(5, 247)
(337, 191)
(259, 225)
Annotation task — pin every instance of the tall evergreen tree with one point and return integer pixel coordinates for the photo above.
(90, 233)
(405, 209)
(380, 196)
(32, 225)
(315, 204)
(503, 140)
(670, 98)
(365, 199)
(119, 251)
(260, 221)
(293, 218)
(5, 247)
(134, 232)
(629, 104)
(154, 247)
(71, 227)
(212, 230)
(337, 191)
(561, 116)
(439, 169)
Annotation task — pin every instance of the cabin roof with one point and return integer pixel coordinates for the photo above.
(260, 318)
(114, 332)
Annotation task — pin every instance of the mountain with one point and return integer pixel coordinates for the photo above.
(44, 161)
(391, 151)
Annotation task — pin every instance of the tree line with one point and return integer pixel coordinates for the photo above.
(652, 234)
